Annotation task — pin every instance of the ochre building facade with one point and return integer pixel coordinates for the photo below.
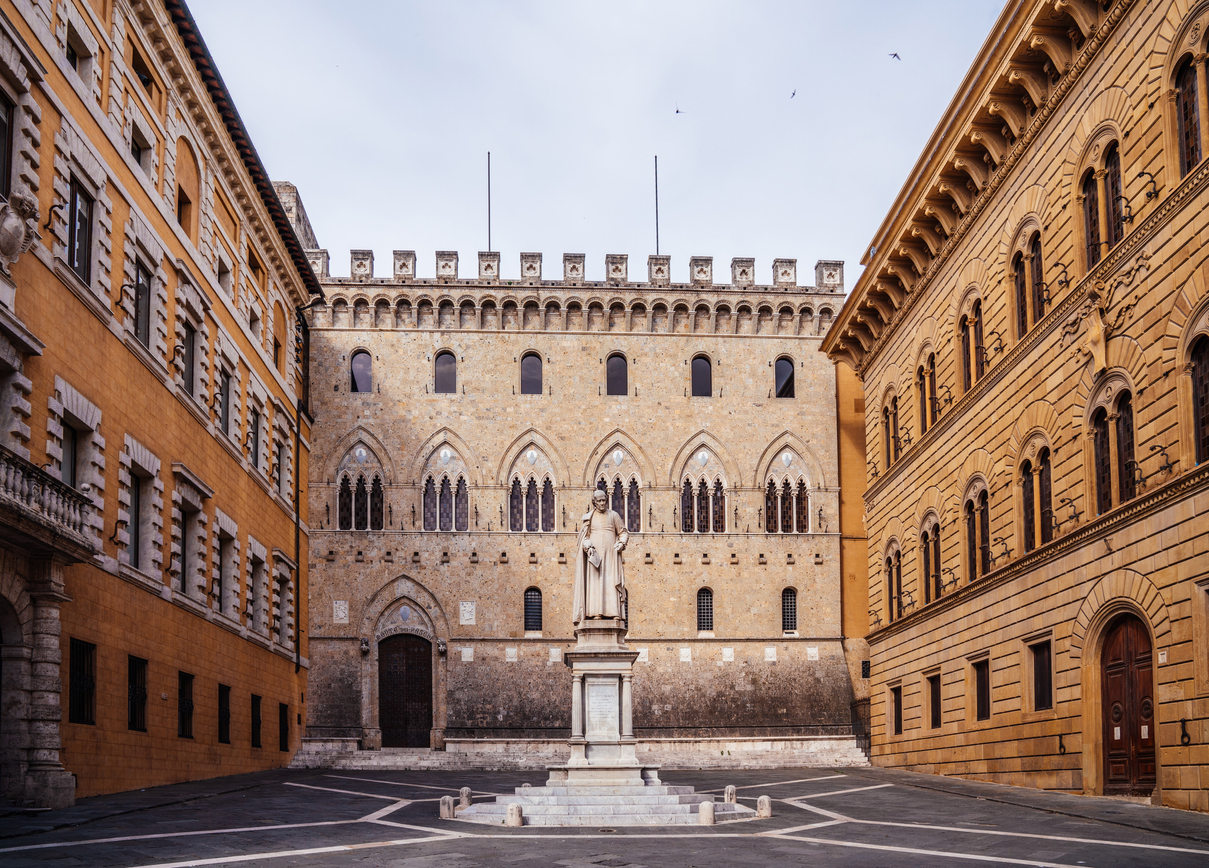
(152, 381)
(1032, 332)
(462, 424)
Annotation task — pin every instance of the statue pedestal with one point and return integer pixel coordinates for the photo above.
(602, 730)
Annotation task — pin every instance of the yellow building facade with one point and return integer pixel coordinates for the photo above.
(1032, 333)
(153, 416)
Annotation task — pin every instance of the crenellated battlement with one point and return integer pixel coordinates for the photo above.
(829, 274)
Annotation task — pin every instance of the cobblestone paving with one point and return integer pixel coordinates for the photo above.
(863, 817)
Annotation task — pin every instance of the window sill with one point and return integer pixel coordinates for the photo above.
(144, 580)
(94, 301)
(789, 634)
(533, 634)
(144, 355)
(192, 405)
(705, 634)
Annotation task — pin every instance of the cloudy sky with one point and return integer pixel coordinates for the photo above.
(383, 113)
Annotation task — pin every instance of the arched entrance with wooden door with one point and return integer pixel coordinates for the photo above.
(1127, 708)
(405, 690)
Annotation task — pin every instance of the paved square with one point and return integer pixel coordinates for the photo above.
(861, 817)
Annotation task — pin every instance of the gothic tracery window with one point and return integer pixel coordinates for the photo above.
(344, 507)
(376, 504)
(361, 505)
(430, 504)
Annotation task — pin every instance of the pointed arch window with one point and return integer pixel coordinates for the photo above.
(430, 504)
(770, 507)
(344, 507)
(445, 373)
(532, 507)
(461, 506)
(361, 369)
(719, 507)
(802, 508)
(446, 505)
(1188, 120)
(376, 504)
(705, 610)
(686, 507)
(1091, 217)
(361, 505)
(547, 506)
(633, 506)
(617, 500)
(702, 507)
(516, 508)
(1200, 397)
(789, 610)
(531, 374)
(786, 508)
(1112, 194)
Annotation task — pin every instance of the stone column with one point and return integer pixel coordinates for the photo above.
(577, 706)
(47, 783)
(627, 708)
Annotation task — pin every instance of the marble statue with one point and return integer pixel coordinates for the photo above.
(599, 576)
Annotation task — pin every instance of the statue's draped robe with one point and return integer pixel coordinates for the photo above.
(598, 591)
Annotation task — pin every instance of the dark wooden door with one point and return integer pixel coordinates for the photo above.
(1128, 707)
(405, 691)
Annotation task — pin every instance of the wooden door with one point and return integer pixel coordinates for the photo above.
(1127, 686)
(405, 691)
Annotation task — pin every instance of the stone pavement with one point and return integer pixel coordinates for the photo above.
(859, 817)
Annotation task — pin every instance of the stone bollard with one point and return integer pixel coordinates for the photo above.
(464, 798)
(515, 816)
(707, 813)
(446, 807)
(731, 797)
(524, 786)
(764, 807)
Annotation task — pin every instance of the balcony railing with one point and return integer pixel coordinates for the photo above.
(38, 496)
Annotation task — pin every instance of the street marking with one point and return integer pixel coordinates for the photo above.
(1032, 835)
(177, 835)
(792, 829)
(346, 792)
(405, 784)
(1003, 860)
(428, 829)
(815, 810)
(281, 854)
(772, 784)
(389, 809)
(841, 792)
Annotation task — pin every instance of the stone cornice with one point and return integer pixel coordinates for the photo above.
(1171, 492)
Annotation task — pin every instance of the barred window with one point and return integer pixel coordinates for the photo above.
(789, 610)
(702, 507)
(633, 505)
(82, 678)
(719, 507)
(533, 610)
(803, 508)
(531, 507)
(617, 501)
(705, 610)
(136, 694)
(344, 508)
(786, 508)
(547, 506)
(686, 507)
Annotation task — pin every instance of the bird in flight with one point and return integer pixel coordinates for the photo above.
(894, 54)
(792, 95)
(678, 109)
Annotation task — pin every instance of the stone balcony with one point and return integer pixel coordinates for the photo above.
(41, 515)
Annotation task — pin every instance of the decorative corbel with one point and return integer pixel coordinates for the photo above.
(960, 196)
(1034, 83)
(1082, 11)
(942, 216)
(976, 170)
(1056, 48)
(1012, 114)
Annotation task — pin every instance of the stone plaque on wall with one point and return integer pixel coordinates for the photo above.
(340, 611)
(466, 613)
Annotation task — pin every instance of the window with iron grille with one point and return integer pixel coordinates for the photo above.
(446, 513)
(686, 507)
(82, 677)
(184, 705)
(532, 507)
(255, 732)
(789, 610)
(430, 504)
(344, 507)
(633, 507)
(136, 694)
(718, 505)
(982, 689)
(361, 505)
(1043, 679)
(516, 507)
(533, 610)
(283, 726)
(705, 610)
(224, 714)
(702, 507)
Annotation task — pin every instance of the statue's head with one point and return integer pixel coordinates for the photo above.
(600, 500)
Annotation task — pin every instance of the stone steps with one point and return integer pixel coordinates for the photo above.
(607, 806)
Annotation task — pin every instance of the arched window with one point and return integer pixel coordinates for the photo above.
(894, 585)
(617, 500)
(1200, 397)
(1127, 467)
(446, 505)
(1102, 460)
(375, 504)
(980, 353)
(786, 508)
(971, 542)
(361, 505)
(430, 504)
(702, 507)
(531, 374)
(803, 508)
(1028, 513)
(966, 380)
(929, 547)
(703, 378)
(1188, 120)
(719, 507)
(1020, 279)
(1037, 273)
(1091, 217)
(532, 507)
(1112, 195)
(984, 531)
(547, 506)
(617, 375)
(933, 398)
(789, 610)
(344, 507)
(1045, 496)
(533, 610)
(925, 551)
(705, 610)
(461, 507)
(516, 507)
(886, 435)
(894, 438)
(921, 385)
(445, 373)
(686, 507)
(633, 507)
(770, 508)
(361, 367)
(784, 378)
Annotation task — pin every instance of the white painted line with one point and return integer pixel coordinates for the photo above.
(815, 810)
(451, 790)
(176, 835)
(346, 792)
(382, 812)
(281, 854)
(427, 829)
(886, 848)
(970, 831)
(772, 783)
(841, 792)
(793, 829)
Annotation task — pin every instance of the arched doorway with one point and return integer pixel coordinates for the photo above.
(405, 690)
(1127, 703)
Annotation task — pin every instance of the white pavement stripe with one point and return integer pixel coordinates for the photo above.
(281, 854)
(382, 812)
(815, 810)
(970, 831)
(427, 829)
(451, 790)
(886, 848)
(346, 792)
(793, 829)
(777, 783)
(841, 792)
(176, 835)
